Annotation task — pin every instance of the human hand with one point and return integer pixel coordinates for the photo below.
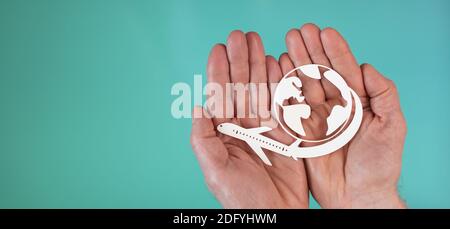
(233, 172)
(364, 173)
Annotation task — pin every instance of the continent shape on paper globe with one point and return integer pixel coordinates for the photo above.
(294, 112)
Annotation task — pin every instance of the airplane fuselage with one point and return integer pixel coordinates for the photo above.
(248, 135)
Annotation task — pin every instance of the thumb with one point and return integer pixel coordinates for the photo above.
(382, 92)
(208, 148)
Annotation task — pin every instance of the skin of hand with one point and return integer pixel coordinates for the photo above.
(233, 172)
(364, 173)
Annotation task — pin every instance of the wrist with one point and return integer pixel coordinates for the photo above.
(379, 199)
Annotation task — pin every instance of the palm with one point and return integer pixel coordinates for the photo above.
(373, 146)
(370, 163)
(235, 168)
(361, 159)
(284, 181)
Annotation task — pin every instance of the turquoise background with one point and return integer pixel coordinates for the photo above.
(85, 97)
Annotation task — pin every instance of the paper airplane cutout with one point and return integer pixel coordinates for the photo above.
(257, 142)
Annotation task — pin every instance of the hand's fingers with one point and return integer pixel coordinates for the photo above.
(274, 74)
(342, 59)
(286, 66)
(219, 76)
(208, 148)
(259, 94)
(312, 88)
(237, 50)
(381, 91)
(296, 48)
(311, 37)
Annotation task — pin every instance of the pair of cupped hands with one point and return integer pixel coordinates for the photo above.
(362, 174)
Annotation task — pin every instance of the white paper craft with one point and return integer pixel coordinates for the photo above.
(341, 126)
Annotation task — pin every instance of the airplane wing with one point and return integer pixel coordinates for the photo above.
(258, 150)
(259, 130)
